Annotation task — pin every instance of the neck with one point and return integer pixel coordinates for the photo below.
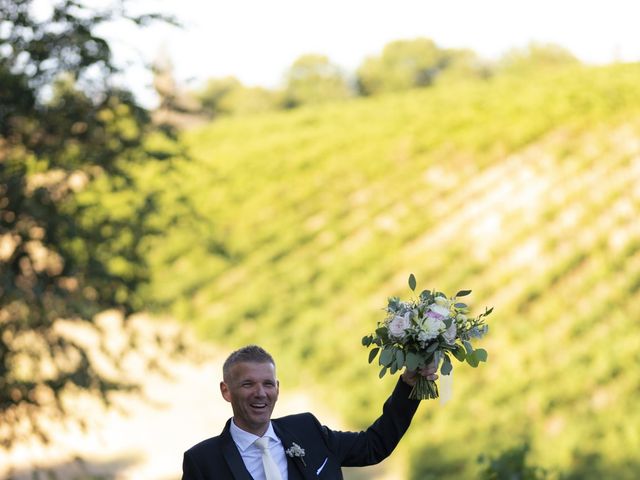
(258, 431)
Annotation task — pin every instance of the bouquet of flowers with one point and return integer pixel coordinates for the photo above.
(429, 329)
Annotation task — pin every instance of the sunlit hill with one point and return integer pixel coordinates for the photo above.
(292, 228)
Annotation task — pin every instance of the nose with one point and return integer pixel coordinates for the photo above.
(259, 391)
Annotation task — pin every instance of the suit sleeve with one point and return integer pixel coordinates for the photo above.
(371, 446)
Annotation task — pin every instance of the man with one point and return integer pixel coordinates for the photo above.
(253, 446)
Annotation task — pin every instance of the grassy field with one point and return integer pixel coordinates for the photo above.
(291, 229)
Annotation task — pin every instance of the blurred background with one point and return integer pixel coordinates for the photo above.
(179, 179)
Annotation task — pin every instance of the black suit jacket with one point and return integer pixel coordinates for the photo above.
(326, 450)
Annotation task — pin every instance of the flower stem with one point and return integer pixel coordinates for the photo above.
(424, 389)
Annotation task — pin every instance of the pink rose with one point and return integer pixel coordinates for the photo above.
(399, 325)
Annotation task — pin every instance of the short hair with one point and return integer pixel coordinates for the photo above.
(250, 353)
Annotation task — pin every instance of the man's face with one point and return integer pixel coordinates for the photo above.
(253, 391)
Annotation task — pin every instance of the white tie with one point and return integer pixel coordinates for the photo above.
(271, 470)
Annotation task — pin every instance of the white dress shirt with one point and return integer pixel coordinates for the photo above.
(251, 454)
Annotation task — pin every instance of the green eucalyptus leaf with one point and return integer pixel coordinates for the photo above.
(373, 353)
(468, 347)
(400, 358)
(394, 368)
(432, 348)
(460, 353)
(426, 296)
(412, 282)
(472, 360)
(481, 354)
(386, 357)
(382, 372)
(383, 334)
(446, 365)
(460, 305)
(463, 293)
(412, 361)
(366, 341)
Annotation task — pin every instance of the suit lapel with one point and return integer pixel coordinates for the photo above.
(297, 469)
(232, 455)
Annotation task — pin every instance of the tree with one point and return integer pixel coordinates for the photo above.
(177, 108)
(535, 57)
(463, 65)
(403, 64)
(313, 79)
(228, 96)
(215, 90)
(249, 100)
(65, 129)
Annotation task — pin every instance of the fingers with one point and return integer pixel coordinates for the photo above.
(429, 372)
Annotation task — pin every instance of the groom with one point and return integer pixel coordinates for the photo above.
(254, 446)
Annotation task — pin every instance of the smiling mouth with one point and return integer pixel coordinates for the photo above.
(259, 406)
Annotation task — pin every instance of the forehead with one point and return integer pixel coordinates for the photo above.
(257, 371)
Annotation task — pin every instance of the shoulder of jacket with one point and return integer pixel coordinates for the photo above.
(205, 445)
(297, 419)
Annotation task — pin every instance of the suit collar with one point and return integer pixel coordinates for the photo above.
(297, 470)
(232, 456)
(244, 439)
(296, 467)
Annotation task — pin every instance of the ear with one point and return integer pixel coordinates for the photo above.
(224, 389)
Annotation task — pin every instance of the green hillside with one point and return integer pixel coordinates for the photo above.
(291, 229)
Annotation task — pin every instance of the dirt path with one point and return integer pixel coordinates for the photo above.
(146, 443)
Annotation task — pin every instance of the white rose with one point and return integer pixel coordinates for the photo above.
(431, 328)
(399, 325)
(440, 310)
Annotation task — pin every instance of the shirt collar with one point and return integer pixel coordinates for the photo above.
(244, 439)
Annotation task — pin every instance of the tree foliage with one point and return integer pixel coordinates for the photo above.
(311, 79)
(463, 64)
(314, 79)
(215, 91)
(403, 64)
(228, 96)
(535, 57)
(511, 464)
(64, 129)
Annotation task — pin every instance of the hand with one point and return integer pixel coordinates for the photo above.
(410, 377)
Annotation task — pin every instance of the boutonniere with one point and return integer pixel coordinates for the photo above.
(296, 451)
